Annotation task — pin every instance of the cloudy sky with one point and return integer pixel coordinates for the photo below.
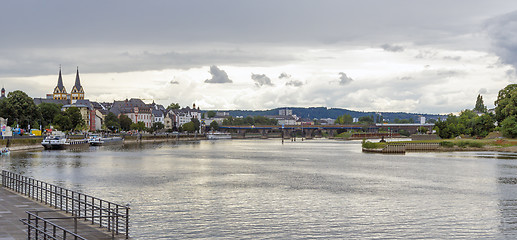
(394, 55)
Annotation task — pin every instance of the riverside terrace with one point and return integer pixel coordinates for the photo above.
(310, 130)
(53, 212)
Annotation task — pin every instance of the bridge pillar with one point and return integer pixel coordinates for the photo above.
(288, 133)
(331, 133)
(242, 132)
(263, 133)
(308, 133)
(318, 133)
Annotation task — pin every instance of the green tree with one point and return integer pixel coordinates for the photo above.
(506, 103)
(157, 126)
(62, 122)
(19, 107)
(214, 125)
(76, 118)
(48, 112)
(228, 121)
(509, 126)
(173, 106)
(345, 119)
(210, 114)
(249, 121)
(483, 125)
(196, 122)
(140, 126)
(480, 105)
(125, 122)
(366, 119)
(189, 127)
(111, 122)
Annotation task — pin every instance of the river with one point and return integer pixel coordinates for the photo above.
(263, 189)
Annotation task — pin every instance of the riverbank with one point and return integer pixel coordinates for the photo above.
(26, 144)
(445, 145)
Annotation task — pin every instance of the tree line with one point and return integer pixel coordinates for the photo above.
(478, 122)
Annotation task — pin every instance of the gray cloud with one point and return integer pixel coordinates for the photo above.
(483, 91)
(24, 63)
(294, 83)
(503, 32)
(174, 82)
(284, 75)
(261, 80)
(344, 79)
(392, 48)
(218, 76)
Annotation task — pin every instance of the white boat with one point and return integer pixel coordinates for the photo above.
(96, 140)
(218, 135)
(58, 140)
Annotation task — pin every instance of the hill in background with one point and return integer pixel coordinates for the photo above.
(323, 112)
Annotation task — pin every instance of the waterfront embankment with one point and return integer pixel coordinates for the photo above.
(443, 145)
(34, 143)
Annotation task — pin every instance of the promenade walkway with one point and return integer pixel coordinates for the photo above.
(13, 207)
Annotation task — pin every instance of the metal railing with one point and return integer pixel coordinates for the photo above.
(103, 213)
(39, 227)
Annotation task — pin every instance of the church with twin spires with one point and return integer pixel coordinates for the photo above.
(60, 93)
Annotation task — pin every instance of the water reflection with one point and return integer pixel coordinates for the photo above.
(303, 190)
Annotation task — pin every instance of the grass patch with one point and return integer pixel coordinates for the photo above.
(373, 145)
(446, 144)
(344, 135)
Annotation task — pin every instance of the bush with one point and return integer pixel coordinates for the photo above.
(371, 145)
(446, 144)
(476, 144)
(404, 132)
(462, 144)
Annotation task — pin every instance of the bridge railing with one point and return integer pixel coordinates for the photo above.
(100, 212)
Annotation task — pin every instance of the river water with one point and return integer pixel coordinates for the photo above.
(263, 189)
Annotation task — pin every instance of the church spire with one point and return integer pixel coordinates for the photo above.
(59, 90)
(77, 91)
(60, 85)
(77, 80)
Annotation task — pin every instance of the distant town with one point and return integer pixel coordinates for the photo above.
(152, 116)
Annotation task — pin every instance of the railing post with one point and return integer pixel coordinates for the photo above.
(127, 222)
(60, 198)
(116, 219)
(100, 213)
(109, 216)
(93, 209)
(66, 200)
(29, 226)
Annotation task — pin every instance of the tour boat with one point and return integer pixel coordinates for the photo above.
(218, 135)
(96, 140)
(58, 141)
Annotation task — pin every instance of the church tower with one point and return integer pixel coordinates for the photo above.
(2, 96)
(59, 90)
(77, 92)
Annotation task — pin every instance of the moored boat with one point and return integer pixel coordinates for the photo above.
(96, 140)
(218, 135)
(59, 141)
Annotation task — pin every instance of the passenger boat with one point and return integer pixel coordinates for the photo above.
(59, 141)
(96, 140)
(218, 135)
